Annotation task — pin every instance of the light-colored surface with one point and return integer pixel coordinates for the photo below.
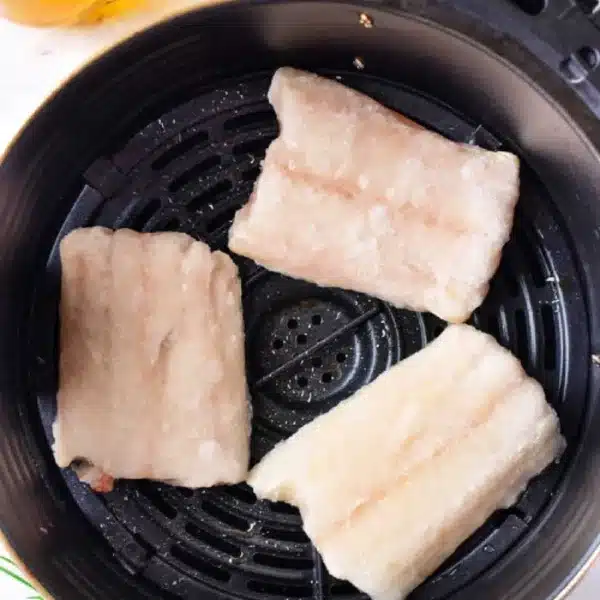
(32, 63)
(152, 370)
(392, 480)
(352, 195)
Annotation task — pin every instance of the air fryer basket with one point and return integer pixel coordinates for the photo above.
(167, 132)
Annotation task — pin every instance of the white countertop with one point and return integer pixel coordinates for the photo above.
(32, 63)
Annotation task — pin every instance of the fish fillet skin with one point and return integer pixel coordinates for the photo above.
(391, 481)
(152, 379)
(354, 195)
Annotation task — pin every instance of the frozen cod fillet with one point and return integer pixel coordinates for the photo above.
(391, 481)
(356, 196)
(152, 376)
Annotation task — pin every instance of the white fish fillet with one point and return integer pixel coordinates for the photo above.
(354, 195)
(391, 481)
(152, 375)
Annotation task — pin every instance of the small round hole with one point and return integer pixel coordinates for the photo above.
(589, 56)
(277, 344)
(317, 362)
(293, 323)
(302, 381)
(341, 357)
(327, 378)
(317, 319)
(302, 339)
(531, 7)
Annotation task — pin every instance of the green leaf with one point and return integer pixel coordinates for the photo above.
(16, 577)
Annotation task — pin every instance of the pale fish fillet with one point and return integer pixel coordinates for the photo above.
(152, 377)
(354, 195)
(391, 481)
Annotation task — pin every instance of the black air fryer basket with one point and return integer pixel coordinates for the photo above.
(166, 132)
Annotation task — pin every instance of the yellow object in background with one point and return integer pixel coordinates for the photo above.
(107, 9)
(65, 12)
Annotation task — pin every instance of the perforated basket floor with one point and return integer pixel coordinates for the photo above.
(307, 347)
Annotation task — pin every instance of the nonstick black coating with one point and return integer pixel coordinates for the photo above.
(307, 347)
(167, 132)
